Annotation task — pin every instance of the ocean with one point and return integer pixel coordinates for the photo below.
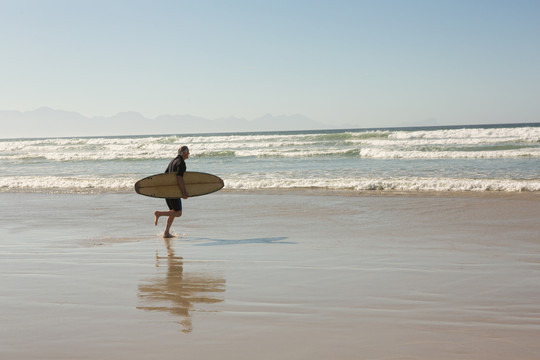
(499, 158)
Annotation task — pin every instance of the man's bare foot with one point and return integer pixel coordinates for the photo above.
(168, 235)
(157, 218)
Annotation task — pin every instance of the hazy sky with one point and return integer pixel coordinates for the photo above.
(366, 63)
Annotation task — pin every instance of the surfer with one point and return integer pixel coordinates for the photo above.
(177, 165)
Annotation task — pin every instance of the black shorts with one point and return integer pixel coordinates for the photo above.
(174, 204)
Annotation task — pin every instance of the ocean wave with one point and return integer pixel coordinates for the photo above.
(390, 153)
(445, 153)
(527, 134)
(390, 144)
(217, 154)
(400, 184)
(88, 184)
(59, 184)
(425, 152)
(345, 136)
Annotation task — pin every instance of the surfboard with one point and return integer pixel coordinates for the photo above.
(166, 185)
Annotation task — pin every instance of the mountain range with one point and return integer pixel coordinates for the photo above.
(47, 122)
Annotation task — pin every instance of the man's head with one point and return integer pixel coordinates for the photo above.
(184, 152)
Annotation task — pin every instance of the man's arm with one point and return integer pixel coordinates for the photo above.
(182, 186)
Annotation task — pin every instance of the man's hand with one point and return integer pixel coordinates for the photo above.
(182, 187)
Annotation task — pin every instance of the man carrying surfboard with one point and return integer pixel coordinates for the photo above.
(177, 165)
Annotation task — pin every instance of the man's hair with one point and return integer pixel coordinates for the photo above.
(182, 149)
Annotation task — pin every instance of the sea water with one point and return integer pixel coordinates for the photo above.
(503, 158)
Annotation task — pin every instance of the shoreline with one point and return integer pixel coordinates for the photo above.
(390, 193)
(317, 192)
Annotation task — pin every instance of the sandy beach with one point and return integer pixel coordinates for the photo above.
(271, 275)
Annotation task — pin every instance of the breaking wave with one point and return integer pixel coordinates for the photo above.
(82, 184)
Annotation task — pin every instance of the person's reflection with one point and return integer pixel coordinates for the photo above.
(179, 291)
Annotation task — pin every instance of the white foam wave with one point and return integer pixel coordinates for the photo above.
(433, 144)
(85, 184)
(528, 134)
(80, 184)
(401, 184)
(377, 153)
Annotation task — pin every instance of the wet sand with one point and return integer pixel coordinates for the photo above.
(292, 275)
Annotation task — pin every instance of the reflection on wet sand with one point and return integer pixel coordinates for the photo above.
(178, 291)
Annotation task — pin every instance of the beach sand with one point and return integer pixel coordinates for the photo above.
(276, 275)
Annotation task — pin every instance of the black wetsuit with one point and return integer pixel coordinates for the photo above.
(177, 165)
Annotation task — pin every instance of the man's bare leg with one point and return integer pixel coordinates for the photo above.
(167, 213)
(170, 220)
(171, 214)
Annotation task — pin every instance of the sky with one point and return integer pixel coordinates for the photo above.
(360, 63)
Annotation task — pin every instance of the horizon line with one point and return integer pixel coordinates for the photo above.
(271, 132)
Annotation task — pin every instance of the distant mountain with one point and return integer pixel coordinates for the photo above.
(47, 122)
